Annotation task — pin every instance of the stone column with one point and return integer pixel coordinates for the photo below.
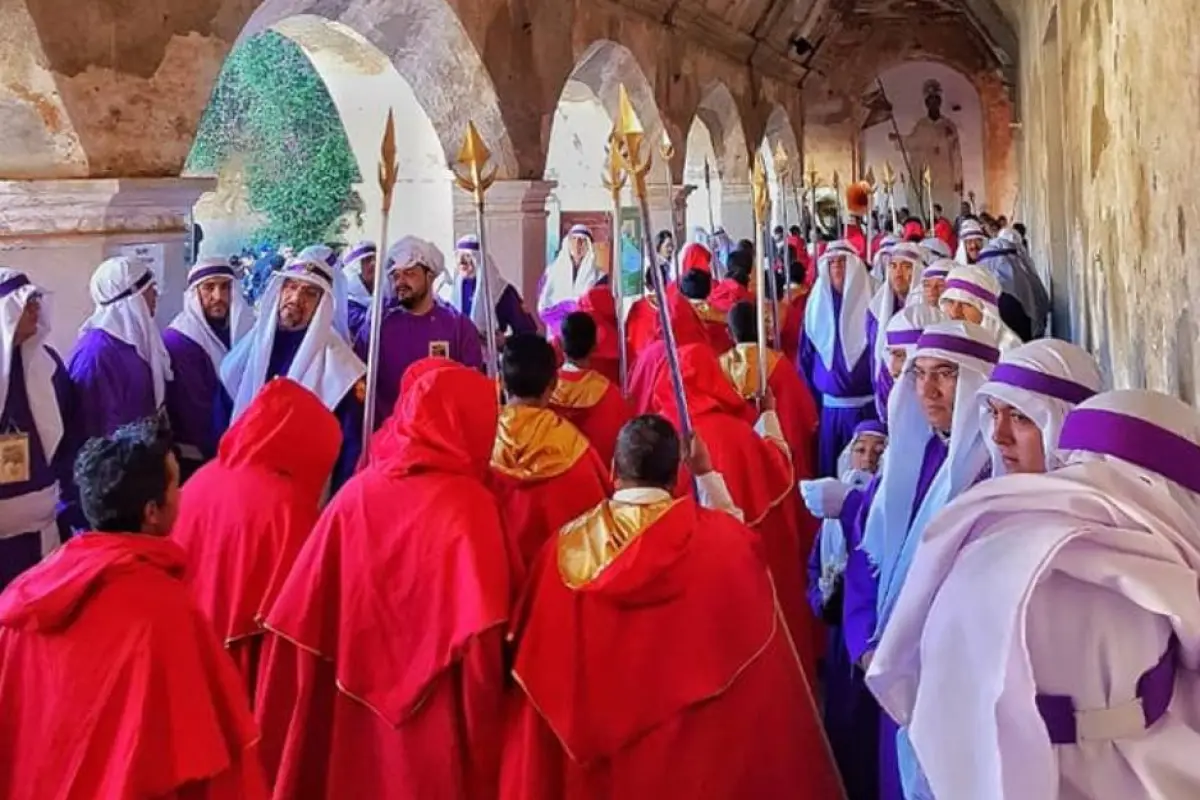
(58, 231)
(737, 211)
(516, 230)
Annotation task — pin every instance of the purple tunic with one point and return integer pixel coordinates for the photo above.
(191, 396)
(837, 424)
(112, 385)
(884, 383)
(511, 315)
(880, 371)
(19, 553)
(873, 329)
(406, 338)
(357, 315)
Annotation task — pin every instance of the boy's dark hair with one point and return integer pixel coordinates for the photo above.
(747, 245)
(119, 475)
(696, 284)
(794, 230)
(648, 452)
(740, 266)
(662, 236)
(743, 322)
(529, 366)
(578, 335)
(797, 273)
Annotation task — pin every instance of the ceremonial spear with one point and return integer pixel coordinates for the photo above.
(628, 137)
(889, 187)
(667, 151)
(869, 180)
(927, 179)
(781, 163)
(388, 173)
(758, 185)
(712, 224)
(473, 156)
(837, 199)
(614, 181)
(812, 208)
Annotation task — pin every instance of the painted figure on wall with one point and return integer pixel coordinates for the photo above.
(934, 140)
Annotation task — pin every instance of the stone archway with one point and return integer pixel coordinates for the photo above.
(718, 113)
(704, 209)
(786, 206)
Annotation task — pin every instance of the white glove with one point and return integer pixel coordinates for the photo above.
(824, 497)
(857, 478)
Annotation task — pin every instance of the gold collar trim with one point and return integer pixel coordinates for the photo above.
(535, 444)
(740, 365)
(583, 393)
(587, 546)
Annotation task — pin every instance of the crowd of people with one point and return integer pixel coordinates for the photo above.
(906, 546)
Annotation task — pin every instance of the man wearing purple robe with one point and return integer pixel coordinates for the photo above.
(569, 277)
(415, 323)
(120, 366)
(890, 298)
(213, 320)
(510, 316)
(297, 335)
(37, 443)
(834, 357)
(359, 270)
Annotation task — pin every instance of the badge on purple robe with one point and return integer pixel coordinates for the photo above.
(439, 349)
(14, 458)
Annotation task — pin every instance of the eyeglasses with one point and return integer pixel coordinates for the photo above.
(939, 375)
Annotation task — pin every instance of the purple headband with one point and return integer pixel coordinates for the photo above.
(13, 283)
(1040, 382)
(872, 426)
(468, 243)
(902, 338)
(1135, 440)
(215, 271)
(309, 268)
(138, 285)
(935, 272)
(972, 289)
(960, 345)
(361, 251)
(580, 230)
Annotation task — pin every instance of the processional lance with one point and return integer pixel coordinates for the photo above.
(927, 181)
(841, 211)
(712, 225)
(889, 188)
(812, 209)
(388, 174)
(780, 161)
(871, 186)
(628, 137)
(667, 151)
(473, 156)
(758, 185)
(614, 181)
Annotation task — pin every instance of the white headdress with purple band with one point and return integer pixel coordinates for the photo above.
(191, 321)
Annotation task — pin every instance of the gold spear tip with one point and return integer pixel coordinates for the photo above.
(387, 150)
(628, 123)
(758, 173)
(474, 152)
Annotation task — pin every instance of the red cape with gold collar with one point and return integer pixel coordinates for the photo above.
(594, 405)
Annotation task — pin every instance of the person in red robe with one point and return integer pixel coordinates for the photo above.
(696, 286)
(599, 303)
(583, 396)
(112, 683)
(383, 666)
(857, 238)
(245, 515)
(735, 287)
(795, 301)
(544, 470)
(652, 657)
(652, 361)
(757, 463)
(695, 256)
(944, 229)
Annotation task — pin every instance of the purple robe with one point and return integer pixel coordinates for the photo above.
(873, 329)
(861, 597)
(511, 315)
(405, 338)
(19, 553)
(112, 385)
(884, 383)
(357, 315)
(837, 425)
(191, 397)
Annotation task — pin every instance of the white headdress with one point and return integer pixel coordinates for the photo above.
(823, 326)
(324, 363)
(935, 249)
(978, 287)
(121, 311)
(1015, 271)
(39, 365)
(882, 304)
(191, 321)
(833, 537)
(970, 229)
(562, 281)
(469, 246)
(880, 260)
(323, 254)
(352, 265)
(938, 269)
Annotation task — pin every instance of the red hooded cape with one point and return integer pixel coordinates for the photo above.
(594, 405)
(727, 294)
(244, 516)
(653, 664)
(605, 359)
(383, 666)
(857, 239)
(695, 256)
(652, 360)
(112, 684)
(759, 476)
(545, 473)
(943, 230)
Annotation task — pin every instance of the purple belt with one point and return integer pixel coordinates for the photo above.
(1154, 690)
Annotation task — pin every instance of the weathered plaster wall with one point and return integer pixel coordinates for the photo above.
(1108, 166)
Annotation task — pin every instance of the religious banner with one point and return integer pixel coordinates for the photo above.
(631, 252)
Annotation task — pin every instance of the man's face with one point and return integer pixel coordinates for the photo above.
(466, 265)
(896, 358)
(932, 288)
(577, 246)
(411, 285)
(298, 302)
(959, 311)
(837, 273)
(667, 249)
(973, 248)
(866, 453)
(158, 520)
(27, 324)
(368, 273)
(900, 274)
(1017, 437)
(150, 295)
(215, 295)
(936, 382)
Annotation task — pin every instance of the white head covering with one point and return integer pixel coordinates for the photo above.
(469, 246)
(1044, 380)
(560, 284)
(938, 269)
(880, 260)
(890, 540)
(905, 327)
(324, 363)
(849, 327)
(882, 303)
(978, 287)
(15, 291)
(117, 287)
(833, 538)
(319, 253)
(1015, 271)
(970, 229)
(192, 323)
(356, 290)
(935, 249)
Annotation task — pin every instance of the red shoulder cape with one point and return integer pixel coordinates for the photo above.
(593, 405)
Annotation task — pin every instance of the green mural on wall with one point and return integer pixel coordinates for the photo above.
(271, 108)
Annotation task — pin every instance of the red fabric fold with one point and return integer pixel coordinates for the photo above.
(601, 422)
(727, 294)
(605, 358)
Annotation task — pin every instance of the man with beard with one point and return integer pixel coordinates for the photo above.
(213, 320)
(415, 324)
(296, 336)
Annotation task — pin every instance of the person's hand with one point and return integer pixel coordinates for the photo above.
(696, 457)
(824, 497)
